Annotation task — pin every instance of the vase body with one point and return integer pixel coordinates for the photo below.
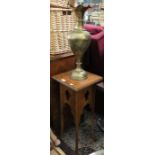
(79, 40)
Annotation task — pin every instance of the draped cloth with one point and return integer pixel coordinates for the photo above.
(93, 59)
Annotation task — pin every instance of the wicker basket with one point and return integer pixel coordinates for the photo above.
(62, 3)
(62, 21)
(59, 3)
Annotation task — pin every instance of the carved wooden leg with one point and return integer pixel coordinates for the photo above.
(92, 106)
(77, 136)
(61, 111)
(76, 124)
(77, 116)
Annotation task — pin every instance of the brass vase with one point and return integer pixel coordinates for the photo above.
(79, 40)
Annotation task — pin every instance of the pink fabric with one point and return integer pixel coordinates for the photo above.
(94, 56)
(97, 35)
(99, 39)
(93, 29)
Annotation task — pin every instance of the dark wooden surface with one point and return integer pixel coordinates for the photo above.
(58, 64)
(60, 56)
(61, 63)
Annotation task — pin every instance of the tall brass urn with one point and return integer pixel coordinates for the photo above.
(79, 40)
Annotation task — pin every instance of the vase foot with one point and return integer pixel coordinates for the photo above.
(78, 74)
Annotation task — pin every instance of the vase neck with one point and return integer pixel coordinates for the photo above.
(80, 24)
(78, 66)
(80, 15)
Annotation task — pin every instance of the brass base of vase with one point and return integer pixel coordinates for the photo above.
(79, 74)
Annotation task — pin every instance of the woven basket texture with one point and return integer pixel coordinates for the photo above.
(62, 22)
(62, 3)
(59, 3)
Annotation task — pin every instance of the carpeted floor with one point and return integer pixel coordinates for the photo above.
(87, 144)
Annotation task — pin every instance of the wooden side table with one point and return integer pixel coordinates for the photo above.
(77, 94)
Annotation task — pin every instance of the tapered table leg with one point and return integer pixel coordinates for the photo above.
(77, 117)
(92, 106)
(77, 138)
(61, 113)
